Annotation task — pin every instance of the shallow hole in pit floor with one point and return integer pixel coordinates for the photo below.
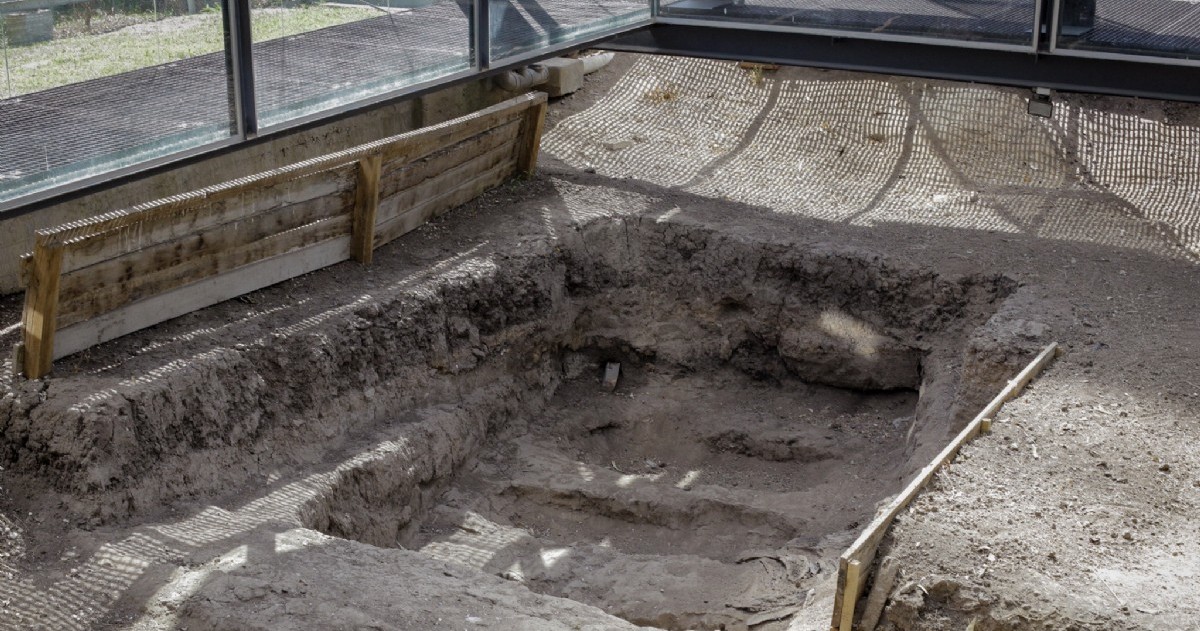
(681, 500)
(756, 426)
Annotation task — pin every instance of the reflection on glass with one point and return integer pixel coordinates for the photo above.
(314, 56)
(992, 21)
(87, 88)
(1167, 28)
(519, 26)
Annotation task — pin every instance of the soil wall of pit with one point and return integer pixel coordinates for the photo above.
(483, 338)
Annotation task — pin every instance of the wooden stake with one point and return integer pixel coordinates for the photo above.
(535, 120)
(850, 595)
(885, 578)
(366, 206)
(40, 318)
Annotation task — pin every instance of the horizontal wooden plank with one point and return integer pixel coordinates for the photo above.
(401, 201)
(82, 306)
(399, 175)
(184, 204)
(204, 293)
(135, 266)
(159, 228)
(412, 216)
(422, 142)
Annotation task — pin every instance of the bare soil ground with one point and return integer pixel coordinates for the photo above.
(731, 240)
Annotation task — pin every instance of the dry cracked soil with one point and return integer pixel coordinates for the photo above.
(810, 280)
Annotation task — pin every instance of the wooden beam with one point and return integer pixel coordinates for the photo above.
(408, 217)
(453, 178)
(132, 288)
(366, 206)
(204, 293)
(398, 176)
(140, 230)
(420, 143)
(40, 317)
(862, 551)
(128, 269)
(535, 120)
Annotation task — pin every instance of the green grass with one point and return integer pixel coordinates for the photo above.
(149, 43)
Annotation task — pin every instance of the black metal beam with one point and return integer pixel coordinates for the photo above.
(481, 33)
(239, 68)
(937, 61)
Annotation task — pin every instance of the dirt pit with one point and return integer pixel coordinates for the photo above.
(751, 434)
(450, 440)
(680, 501)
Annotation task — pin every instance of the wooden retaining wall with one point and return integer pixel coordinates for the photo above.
(92, 281)
(855, 563)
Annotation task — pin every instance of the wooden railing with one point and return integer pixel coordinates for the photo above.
(92, 281)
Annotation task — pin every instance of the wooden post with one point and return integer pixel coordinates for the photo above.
(850, 595)
(366, 206)
(40, 318)
(535, 119)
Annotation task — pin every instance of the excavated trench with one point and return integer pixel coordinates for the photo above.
(769, 398)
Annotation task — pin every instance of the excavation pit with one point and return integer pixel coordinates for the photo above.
(680, 501)
(437, 443)
(770, 398)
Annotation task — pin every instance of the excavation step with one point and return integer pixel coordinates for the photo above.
(664, 591)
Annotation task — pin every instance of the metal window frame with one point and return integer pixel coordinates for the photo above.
(1024, 68)
(239, 57)
(848, 34)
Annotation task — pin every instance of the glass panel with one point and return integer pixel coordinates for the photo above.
(520, 26)
(996, 21)
(88, 88)
(1165, 28)
(314, 56)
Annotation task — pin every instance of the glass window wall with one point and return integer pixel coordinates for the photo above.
(314, 56)
(1162, 28)
(89, 87)
(522, 26)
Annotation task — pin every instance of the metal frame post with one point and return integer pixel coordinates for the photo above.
(239, 68)
(481, 40)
